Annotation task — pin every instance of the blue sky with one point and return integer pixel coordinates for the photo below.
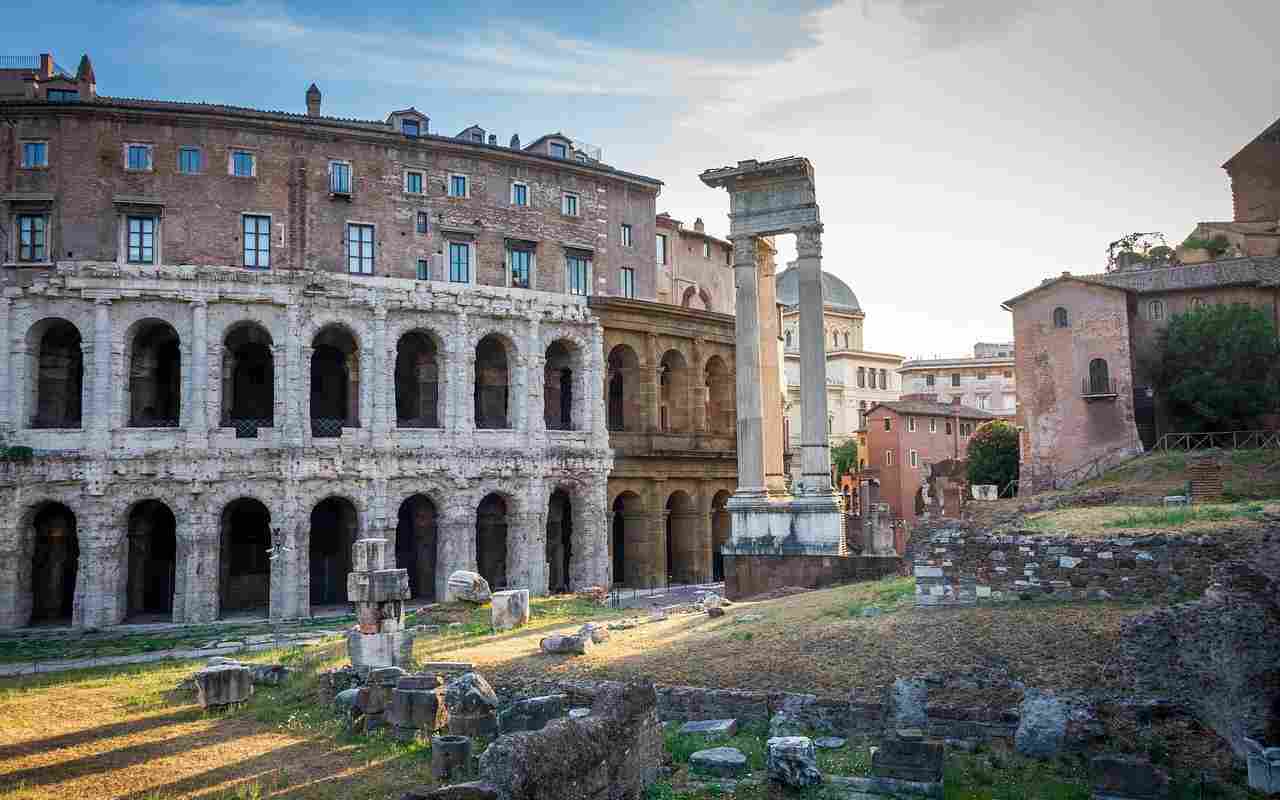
(964, 150)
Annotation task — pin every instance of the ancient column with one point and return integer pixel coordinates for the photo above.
(101, 419)
(295, 386)
(198, 436)
(456, 543)
(770, 371)
(747, 361)
(815, 455)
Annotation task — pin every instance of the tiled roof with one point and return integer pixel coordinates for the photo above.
(1262, 271)
(924, 408)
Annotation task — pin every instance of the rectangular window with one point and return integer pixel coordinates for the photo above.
(257, 241)
(359, 249)
(458, 186)
(661, 248)
(579, 275)
(409, 127)
(955, 379)
(424, 222)
(35, 155)
(459, 262)
(888, 424)
(982, 401)
(339, 177)
(558, 150)
(628, 282)
(911, 424)
(888, 458)
(569, 204)
(413, 182)
(915, 459)
(928, 380)
(424, 269)
(933, 426)
(138, 157)
(243, 164)
(142, 240)
(521, 262)
(519, 194)
(189, 161)
(947, 430)
(706, 249)
(32, 244)
(626, 235)
(63, 95)
(966, 428)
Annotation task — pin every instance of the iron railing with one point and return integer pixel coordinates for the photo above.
(656, 585)
(1090, 387)
(326, 427)
(1225, 440)
(247, 427)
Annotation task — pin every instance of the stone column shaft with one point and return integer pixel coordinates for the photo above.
(815, 453)
(101, 419)
(199, 433)
(746, 331)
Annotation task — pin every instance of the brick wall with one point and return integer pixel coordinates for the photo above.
(900, 483)
(1255, 181)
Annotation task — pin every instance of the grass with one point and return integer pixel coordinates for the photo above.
(887, 594)
(1095, 521)
(1178, 517)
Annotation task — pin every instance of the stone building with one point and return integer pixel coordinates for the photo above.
(857, 379)
(984, 381)
(694, 267)
(238, 339)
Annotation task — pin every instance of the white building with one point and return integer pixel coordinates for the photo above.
(984, 380)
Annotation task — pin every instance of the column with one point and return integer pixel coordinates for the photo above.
(775, 477)
(198, 435)
(100, 582)
(383, 379)
(650, 386)
(698, 389)
(100, 440)
(7, 421)
(462, 378)
(295, 389)
(534, 398)
(747, 363)
(815, 461)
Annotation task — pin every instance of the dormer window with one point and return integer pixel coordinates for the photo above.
(559, 150)
(410, 127)
(477, 136)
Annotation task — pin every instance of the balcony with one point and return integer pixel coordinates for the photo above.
(1092, 389)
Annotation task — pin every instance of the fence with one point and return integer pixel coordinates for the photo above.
(1225, 440)
(658, 585)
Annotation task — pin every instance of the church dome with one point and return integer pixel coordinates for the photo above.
(836, 294)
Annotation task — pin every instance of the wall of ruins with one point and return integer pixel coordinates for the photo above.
(172, 472)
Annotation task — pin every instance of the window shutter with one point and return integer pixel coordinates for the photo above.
(438, 265)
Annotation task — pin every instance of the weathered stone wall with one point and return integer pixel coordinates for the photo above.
(101, 470)
(751, 574)
(961, 567)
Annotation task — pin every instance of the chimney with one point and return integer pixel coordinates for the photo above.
(46, 66)
(493, 140)
(515, 141)
(698, 226)
(313, 101)
(85, 77)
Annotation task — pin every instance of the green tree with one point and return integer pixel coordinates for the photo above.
(845, 456)
(1216, 368)
(993, 454)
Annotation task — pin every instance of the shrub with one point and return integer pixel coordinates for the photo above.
(993, 454)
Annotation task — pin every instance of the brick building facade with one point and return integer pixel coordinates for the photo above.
(694, 267)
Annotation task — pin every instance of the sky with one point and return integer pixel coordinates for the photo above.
(963, 149)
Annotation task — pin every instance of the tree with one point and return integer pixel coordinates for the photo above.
(993, 454)
(845, 457)
(1216, 368)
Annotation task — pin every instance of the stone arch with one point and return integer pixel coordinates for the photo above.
(631, 560)
(417, 544)
(244, 565)
(150, 562)
(721, 532)
(155, 375)
(493, 382)
(335, 381)
(720, 408)
(54, 564)
(624, 411)
(248, 378)
(493, 521)
(681, 538)
(56, 357)
(559, 541)
(417, 380)
(673, 392)
(562, 379)
(335, 526)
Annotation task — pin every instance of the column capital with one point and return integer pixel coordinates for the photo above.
(809, 241)
(744, 250)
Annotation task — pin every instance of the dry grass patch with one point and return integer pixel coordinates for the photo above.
(1110, 521)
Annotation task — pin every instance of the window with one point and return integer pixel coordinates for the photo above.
(424, 222)
(243, 164)
(257, 241)
(340, 177)
(928, 380)
(142, 240)
(1197, 303)
(1007, 374)
(579, 275)
(359, 249)
(955, 379)
(706, 249)
(628, 276)
(788, 340)
(35, 155)
(862, 413)
(888, 423)
(1156, 308)
(966, 428)
(911, 424)
(846, 341)
(982, 376)
(409, 127)
(569, 204)
(1060, 318)
(947, 428)
(519, 194)
(884, 379)
(983, 401)
(189, 160)
(138, 157)
(558, 150)
(424, 268)
(1099, 379)
(459, 262)
(862, 377)
(933, 426)
(662, 248)
(626, 235)
(888, 458)
(413, 182)
(521, 263)
(63, 96)
(458, 186)
(831, 424)
(32, 243)
(915, 459)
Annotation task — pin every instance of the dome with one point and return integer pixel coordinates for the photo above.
(836, 294)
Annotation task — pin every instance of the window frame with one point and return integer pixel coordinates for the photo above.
(44, 256)
(257, 232)
(423, 269)
(571, 198)
(569, 283)
(526, 252)
(199, 154)
(663, 248)
(338, 166)
(466, 185)
(417, 128)
(911, 424)
(468, 250)
(627, 282)
(888, 458)
(422, 182)
(252, 155)
(1063, 320)
(706, 248)
(1155, 310)
(154, 232)
(63, 95)
(422, 223)
(149, 150)
(563, 153)
(888, 424)
(933, 425)
(513, 200)
(955, 379)
(43, 149)
(625, 238)
(913, 457)
(361, 228)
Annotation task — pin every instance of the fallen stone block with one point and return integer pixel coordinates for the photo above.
(472, 706)
(792, 761)
(566, 645)
(1121, 777)
(722, 762)
(829, 743)
(510, 609)
(907, 702)
(269, 674)
(223, 685)
(423, 709)
(476, 790)
(858, 788)
(908, 756)
(711, 727)
(368, 651)
(1042, 725)
(381, 586)
(715, 612)
(532, 714)
(468, 586)
(450, 756)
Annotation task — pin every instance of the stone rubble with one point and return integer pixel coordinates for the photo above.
(561, 644)
(711, 727)
(510, 609)
(472, 706)
(223, 685)
(469, 586)
(378, 594)
(792, 761)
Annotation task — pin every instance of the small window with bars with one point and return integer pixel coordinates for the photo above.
(459, 262)
(32, 237)
(424, 222)
(257, 241)
(359, 249)
(578, 279)
(521, 262)
(628, 282)
(142, 240)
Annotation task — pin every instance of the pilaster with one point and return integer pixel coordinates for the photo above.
(198, 422)
(100, 424)
(8, 387)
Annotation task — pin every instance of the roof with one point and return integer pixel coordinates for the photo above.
(965, 361)
(836, 294)
(1066, 277)
(1253, 270)
(1270, 134)
(924, 408)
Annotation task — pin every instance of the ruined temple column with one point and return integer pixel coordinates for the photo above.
(775, 477)
(815, 454)
(747, 361)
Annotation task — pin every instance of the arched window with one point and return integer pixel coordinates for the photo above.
(155, 376)
(1099, 380)
(417, 379)
(335, 382)
(248, 382)
(835, 340)
(492, 389)
(557, 388)
(1156, 309)
(1060, 319)
(59, 370)
(624, 409)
